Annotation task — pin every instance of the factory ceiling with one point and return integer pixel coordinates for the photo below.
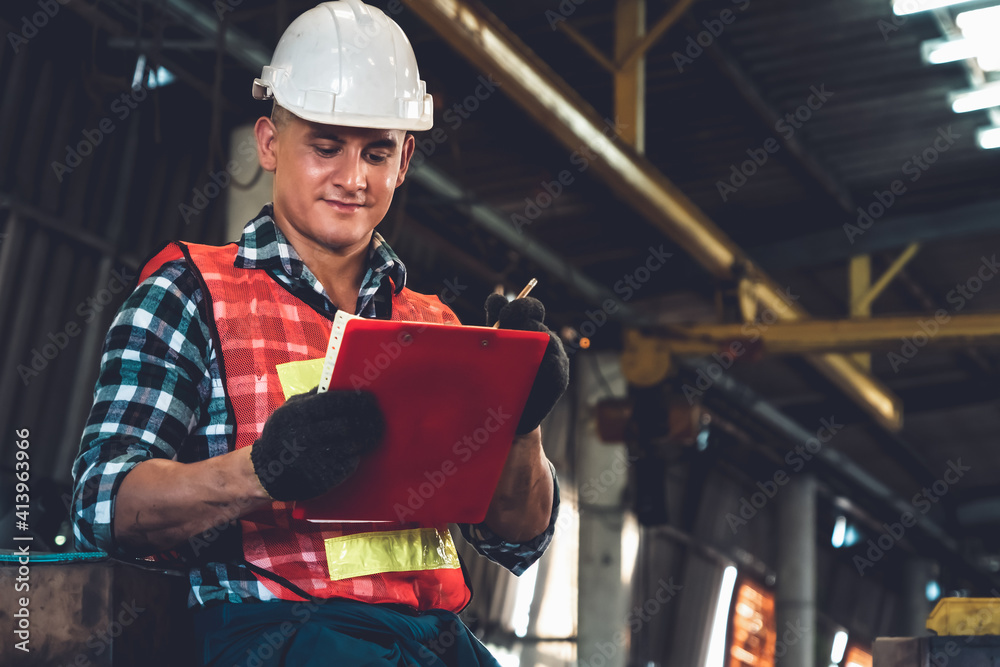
(808, 133)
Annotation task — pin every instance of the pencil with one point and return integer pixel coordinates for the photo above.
(524, 293)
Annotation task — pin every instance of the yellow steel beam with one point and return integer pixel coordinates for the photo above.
(647, 357)
(587, 46)
(862, 292)
(852, 335)
(859, 283)
(666, 21)
(865, 299)
(630, 79)
(489, 45)
(626, 57)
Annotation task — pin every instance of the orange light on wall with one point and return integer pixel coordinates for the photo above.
(857, 657)
(753, 627)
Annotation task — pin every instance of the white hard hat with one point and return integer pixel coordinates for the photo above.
(346, 63)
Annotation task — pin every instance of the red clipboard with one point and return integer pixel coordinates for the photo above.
(451, 396)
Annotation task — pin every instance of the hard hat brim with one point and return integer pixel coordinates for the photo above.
(425, 122)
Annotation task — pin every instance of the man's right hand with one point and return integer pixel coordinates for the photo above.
(315, 441)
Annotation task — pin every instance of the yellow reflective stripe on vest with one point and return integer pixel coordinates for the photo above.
(390, 551)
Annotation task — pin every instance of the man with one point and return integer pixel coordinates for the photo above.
(189, 430)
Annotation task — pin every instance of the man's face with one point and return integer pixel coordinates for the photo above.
(332, 184)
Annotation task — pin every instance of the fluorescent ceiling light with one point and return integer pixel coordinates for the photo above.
(839, 531)
(839, 646)
(980, 27)
(985, 48)
(988, 137)
(978, 98)
(938, 51)
(716, 656)
(140, 67)
(161, 77)
(932, 591)
(987, 18)
(904, 7)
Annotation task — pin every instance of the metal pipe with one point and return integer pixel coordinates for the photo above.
(492, 221)
(587, 46)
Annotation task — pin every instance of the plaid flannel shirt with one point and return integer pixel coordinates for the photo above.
(160, 395)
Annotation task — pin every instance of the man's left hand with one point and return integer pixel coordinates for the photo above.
(527, 314)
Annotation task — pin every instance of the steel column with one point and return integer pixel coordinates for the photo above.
(630, 78)
(868, 487)
(11, 245)
(917, 573)
(603, 599)
(866, 297)
(795, 602)
(859, 281)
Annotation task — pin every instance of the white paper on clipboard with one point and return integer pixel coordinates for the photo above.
(340, 321)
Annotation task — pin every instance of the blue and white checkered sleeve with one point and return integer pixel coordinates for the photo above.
(153, 379)
(515, 556)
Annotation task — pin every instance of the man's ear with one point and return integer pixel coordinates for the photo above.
(267, 137)
(404, 162)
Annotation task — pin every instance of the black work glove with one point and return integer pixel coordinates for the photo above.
(552, 379)
(315, 441)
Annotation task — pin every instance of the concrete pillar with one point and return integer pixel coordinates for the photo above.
(915, 606)
(602, 475)
(795, 603)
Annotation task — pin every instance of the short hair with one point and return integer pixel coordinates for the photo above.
(280, 116)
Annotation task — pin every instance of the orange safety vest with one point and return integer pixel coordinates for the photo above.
(258, 324)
